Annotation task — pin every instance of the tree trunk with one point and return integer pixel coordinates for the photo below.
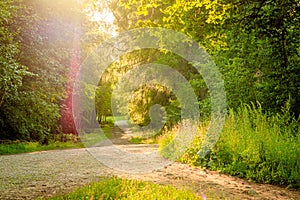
(2, 98)
(284, 50)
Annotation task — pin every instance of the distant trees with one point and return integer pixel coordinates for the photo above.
(103, 102)
(254, 43)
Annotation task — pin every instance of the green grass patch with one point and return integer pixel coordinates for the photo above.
(254, 145)
(139, 140)
(61, 141)
(145, 137)
(116, 188)
(115, 118)
(96, 135)
(26, 147)
(136, 140)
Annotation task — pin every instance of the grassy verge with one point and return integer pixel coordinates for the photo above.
(116, 188)
(252, 145)
(96, 135)
(139, 140)
(115, 118)
(70, 141)
(26, 147)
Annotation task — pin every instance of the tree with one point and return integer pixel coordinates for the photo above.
(103, 102)
(11, 71)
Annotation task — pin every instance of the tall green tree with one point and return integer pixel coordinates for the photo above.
(12, 72)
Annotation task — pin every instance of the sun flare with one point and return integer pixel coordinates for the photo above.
(105, 18)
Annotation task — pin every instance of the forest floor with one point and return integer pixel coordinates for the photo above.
(49, 173)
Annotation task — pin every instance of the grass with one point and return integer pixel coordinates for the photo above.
(96, 135)
(136, 140)
(254, 145)
(70, 141)
(115, 118)
(116, 188)
(26, 147)
(139, 140)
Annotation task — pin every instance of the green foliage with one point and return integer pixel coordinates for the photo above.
(144, 98)
(116, 188)
(253, 145)
(255, 44)
(33, 127)
(261, 58)
(11, 72)
(36, 45)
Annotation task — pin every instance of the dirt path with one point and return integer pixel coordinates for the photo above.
(214, 185)
(44, 174)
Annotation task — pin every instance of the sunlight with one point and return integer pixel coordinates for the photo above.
(98, 12)
(104, 17)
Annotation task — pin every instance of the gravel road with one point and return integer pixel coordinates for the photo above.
(28, 176)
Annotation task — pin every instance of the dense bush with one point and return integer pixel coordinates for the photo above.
(34, 63)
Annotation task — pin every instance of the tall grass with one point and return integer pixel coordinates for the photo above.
(253, 145)
(116, 188)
